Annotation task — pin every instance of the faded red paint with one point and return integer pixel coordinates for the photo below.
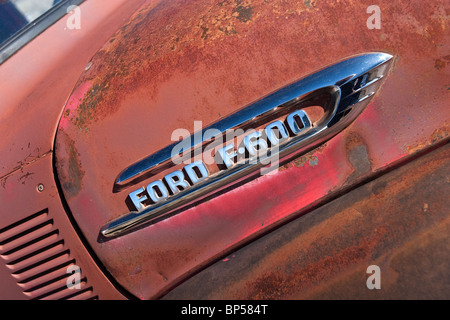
(176, 62)
(399, 221)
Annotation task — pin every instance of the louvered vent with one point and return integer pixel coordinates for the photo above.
(39, 259)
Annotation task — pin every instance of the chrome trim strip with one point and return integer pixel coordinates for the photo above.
(350, 84)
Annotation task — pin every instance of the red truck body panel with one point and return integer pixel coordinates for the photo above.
(171, 63)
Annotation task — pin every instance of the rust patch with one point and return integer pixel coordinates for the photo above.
(281, 285)
(71, 174)
(162, 39)
(243, 11)
(325, 253)
(73, 185)
(358, 156)
(309, 158)
(87, 108)
(308, 3)
(140, 51)
(223, 21)
(442, 62)
(151, 47)
(438, 135)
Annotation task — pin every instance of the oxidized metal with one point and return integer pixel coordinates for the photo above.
(399, 221)
(174, 63)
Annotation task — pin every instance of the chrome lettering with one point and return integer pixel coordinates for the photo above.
(171, 184)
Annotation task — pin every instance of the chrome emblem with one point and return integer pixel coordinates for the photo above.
(258, 137)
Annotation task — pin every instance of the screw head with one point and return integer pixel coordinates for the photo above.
(40, 187)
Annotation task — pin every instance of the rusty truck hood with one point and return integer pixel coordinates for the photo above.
(174, 63)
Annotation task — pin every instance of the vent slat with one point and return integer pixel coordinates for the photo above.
(39, 259)
(21, 261)
(66, 294)
(56, 288)
(28, 232)
(27, 239)
(86, 294)
(42, 286)
(31, 284)
(42, 270)
(45, 263)
(31, 246)
(23, 224)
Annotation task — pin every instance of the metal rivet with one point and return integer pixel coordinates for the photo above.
(40, 187)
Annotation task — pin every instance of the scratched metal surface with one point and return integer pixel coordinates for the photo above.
(175, 62)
